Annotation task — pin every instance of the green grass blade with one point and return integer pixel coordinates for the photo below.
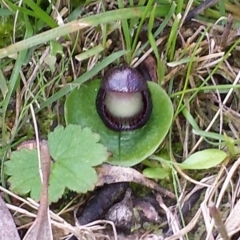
(179, 6)
(171, 43)
(136, 39)
(23, 10)
(83, 78)
(180, 105)
(190, 119)
(3, 84)
(91, 52)
(14, 79)
(5, 12)
(12, 85)
(74, 26)
(40, 13)
(127, 34)
(227, 54)
(153, 44)
(160, 28)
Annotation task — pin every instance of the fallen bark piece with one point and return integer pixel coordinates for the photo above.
(108, 174)
(100, 203)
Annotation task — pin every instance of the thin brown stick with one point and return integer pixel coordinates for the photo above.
(201, 8)
(218, 220)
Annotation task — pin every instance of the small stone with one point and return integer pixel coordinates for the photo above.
(146, 211)
(121, 214)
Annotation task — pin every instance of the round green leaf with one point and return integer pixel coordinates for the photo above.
(130, 147)
(204, 159)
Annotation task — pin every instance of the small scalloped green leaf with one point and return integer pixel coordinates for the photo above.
(204, 159)
(75, 152)
(23, 172)
(128, 147)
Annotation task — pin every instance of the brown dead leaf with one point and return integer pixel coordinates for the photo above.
(112, 174)
(7, 225)
(149, 64)
(233, 221)
(215, 214)
(41, 228)
(29, 144)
